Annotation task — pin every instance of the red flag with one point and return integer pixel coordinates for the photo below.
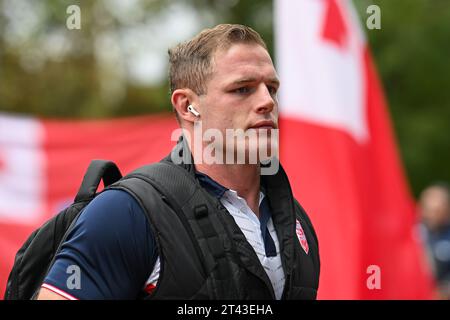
(339, 152)
(42, 163)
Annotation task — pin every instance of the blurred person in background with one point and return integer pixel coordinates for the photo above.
(434, 210)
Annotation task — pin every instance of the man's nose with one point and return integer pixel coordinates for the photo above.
(266, 101)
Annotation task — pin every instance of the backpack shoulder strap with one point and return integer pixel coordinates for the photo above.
(97, 170)
(192, 206)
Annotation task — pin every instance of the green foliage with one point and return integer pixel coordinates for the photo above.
(411, 51)
(70, 83)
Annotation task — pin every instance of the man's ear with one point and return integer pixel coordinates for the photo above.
(181, 99)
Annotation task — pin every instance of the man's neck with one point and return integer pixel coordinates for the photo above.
(244, 179)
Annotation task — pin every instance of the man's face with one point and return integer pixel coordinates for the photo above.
(241, 93)
(434, 207)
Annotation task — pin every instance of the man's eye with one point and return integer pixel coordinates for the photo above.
(272, 90)
(242, 90)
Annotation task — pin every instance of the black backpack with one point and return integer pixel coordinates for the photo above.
(37, 254)
(34, 258)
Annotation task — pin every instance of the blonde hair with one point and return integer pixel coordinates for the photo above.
(190, 62)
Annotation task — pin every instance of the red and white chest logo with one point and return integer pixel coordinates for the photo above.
(301, 236)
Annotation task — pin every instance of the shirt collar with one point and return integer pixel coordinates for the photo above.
(216, 189)
(213, 187)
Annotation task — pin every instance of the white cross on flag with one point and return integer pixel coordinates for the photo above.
(21, 169)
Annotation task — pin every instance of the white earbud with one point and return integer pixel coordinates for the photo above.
(193, 111)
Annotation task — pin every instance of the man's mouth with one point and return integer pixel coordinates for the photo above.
(264, 124)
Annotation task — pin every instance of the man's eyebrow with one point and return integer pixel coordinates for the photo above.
(275, 81)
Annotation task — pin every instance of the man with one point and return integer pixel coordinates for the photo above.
(258, 242)
(434, 210)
